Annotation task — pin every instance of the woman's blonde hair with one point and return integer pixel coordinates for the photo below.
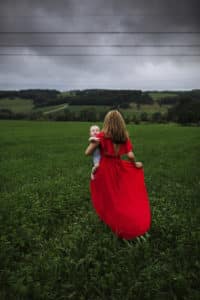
(114, 127)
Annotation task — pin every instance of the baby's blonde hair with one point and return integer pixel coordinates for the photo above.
(114, 127)
(94, 127)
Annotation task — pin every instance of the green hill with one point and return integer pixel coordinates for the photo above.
(91, 105)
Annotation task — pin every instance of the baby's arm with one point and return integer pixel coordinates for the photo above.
(131, 157)
(93, 139)
(91, 148)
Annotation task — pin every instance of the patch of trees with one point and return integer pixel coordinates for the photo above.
(186, 111)
(39, 97)
(92, 115)
(43, 98)
(85, 115)
(172, 100)
(193, 95)
(7, 114)
(104, 97)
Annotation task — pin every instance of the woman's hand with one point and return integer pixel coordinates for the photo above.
(139, 164)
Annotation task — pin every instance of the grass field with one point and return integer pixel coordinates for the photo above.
(52, 244)
(129, 111)
(24, 105)
(17, 105)
(149, 109)
(77, 108)
(27, 106)
(160, 95)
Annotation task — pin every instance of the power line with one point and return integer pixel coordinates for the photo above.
(98, 32)
(101, 15)
(99, 46)
(122, 55)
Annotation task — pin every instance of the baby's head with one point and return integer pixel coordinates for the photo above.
(94, 130)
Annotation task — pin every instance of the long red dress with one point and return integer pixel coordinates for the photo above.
(118, 192)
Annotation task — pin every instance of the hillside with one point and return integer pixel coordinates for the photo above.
(92, 105)
(80, 102)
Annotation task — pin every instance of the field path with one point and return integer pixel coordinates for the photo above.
(56, 109)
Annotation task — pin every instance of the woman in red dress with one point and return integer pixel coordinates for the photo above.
(118, 190)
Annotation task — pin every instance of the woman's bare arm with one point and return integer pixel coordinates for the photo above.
(90, 149)
(131, 157)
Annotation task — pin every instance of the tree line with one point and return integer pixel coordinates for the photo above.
(85, 115)
(43, 98)
(185, 108)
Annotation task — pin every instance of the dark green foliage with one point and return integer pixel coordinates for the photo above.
(186, 111)
(145, 99)
(135, 119)
(52, 244)
(105, 97)
(125, 105)
(144, 116)
(187, 108)
(183, 107)
(86, 97)
(169, 100)
(40, 97)
(157, 117)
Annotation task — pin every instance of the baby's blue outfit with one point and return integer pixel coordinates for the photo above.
(96, 156)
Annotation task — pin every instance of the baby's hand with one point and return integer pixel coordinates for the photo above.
(138, 164)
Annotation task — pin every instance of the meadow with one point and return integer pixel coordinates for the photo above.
(24, 106)
(52, 244)
(17, 105)
(133, 109)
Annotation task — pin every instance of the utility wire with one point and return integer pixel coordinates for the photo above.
(101, 15)
(98, 46)
(122, 55)
(98, 32)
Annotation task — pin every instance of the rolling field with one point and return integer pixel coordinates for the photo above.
(21, 105)
(27, 106)
(52, 244)
(160, 95)
(150, 109)
(17, 105)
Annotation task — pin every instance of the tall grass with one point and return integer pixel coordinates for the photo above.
(52, 244)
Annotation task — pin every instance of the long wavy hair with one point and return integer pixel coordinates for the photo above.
(114, 127)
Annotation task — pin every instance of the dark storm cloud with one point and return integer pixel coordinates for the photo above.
(109, 72)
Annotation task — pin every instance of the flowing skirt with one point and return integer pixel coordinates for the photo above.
(119, 197)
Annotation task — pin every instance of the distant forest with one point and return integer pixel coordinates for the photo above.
(85, 97)
(184, 105)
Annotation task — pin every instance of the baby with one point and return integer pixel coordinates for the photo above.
(94, 130)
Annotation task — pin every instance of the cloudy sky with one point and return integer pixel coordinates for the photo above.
(129, 44)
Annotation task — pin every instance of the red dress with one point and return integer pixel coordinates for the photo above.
(118, 192)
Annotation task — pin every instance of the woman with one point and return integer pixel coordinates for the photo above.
(118, 190)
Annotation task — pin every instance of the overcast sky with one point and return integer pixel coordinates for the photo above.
(37, 67)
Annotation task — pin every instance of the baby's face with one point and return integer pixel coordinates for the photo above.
(94, 130)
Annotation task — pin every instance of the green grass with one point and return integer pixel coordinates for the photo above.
(22, 105)
(16, 105)
(52, 244)
(149, 109)
(159, 95)
(70, 93)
